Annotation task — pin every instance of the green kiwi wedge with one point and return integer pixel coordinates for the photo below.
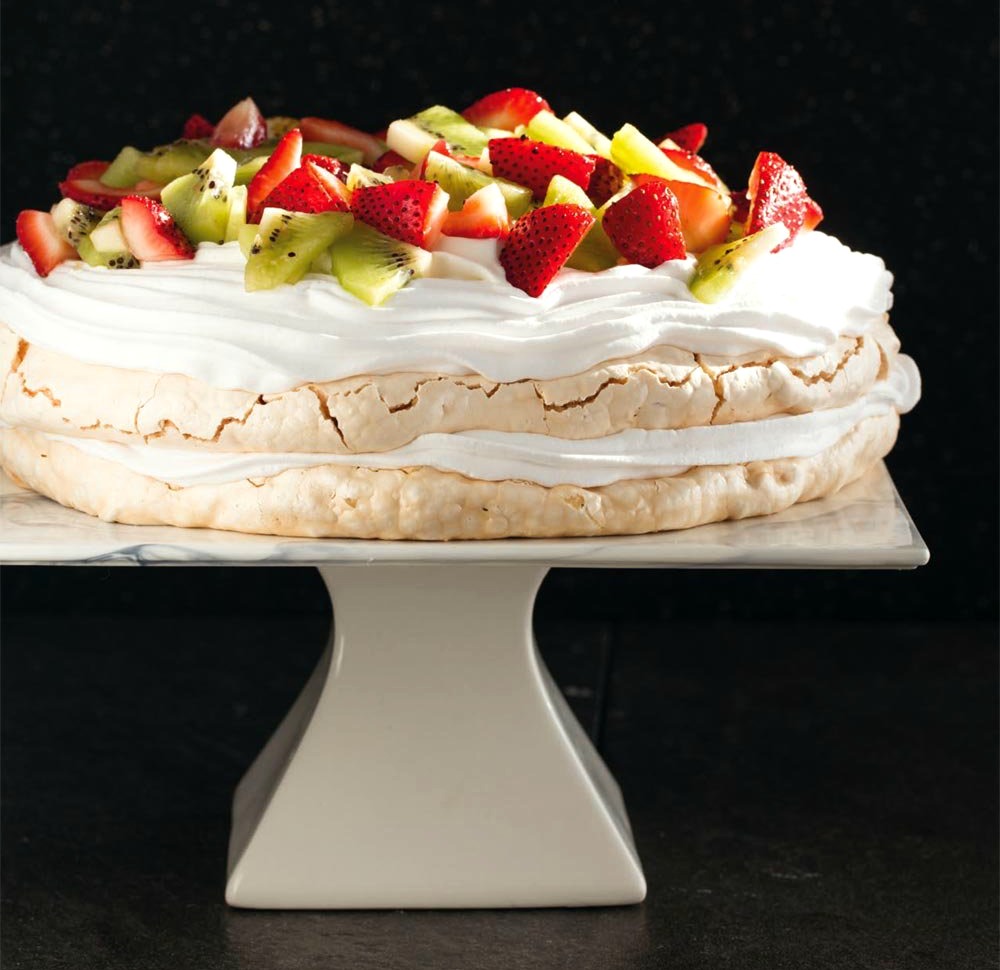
(74, 220)
(200, 200)
(105, 245)
(287, 243)
(460, 181)
(719, 267)
(373, 266)
(414, 137)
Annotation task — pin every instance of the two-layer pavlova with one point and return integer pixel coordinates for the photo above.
(477, 325)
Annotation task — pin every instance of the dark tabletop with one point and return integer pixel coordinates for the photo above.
(803, 795)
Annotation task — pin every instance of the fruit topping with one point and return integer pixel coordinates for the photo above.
(388, 160)
(598, 141)
(83, 184)
(150, 231)
(198, 126)
(106, 246)
(302, 191)
(328, 163)
(286, 157)
(74, 220)
(596, 251)
(777, 194)
(634, 153)
(242, 126)
(279, 126)
(694, 164)
(690, 138)
(540, 243)
(412, 211)
(506, 109)
(337, 133)
(546, 127)
(607, 180)
(483, 215)
(718, 268)
(533, 163)
(199, 201)
(645, 224)
(460, 182)
(45, 245)
(373, 266)
(414, 137)
(814, 214)
(704, 213)
(286, 244)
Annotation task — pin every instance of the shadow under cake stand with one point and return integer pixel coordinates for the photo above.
(430, 760)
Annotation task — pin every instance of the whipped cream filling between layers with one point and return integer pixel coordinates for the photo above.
(194, 317)
(545, 460)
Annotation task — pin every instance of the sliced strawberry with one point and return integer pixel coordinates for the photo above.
(540, 243)
(83, 184)
(693, 163)
(506, 109)
(332, 132)
(198, 126)
(381, 135)
(332, 165)
(777, 194)
(606, 181)
(533, 163)
(388, 158)
(689, 137)
(740, 206)
(645, 225)
(44, 244)
(329, 178)
(242, 126)
(411, 211)
(814, 214)
(150, 231)
(483, 216)
(705, 215)
(302, 191)
(286, 157)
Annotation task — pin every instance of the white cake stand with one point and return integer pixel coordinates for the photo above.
(430, 761)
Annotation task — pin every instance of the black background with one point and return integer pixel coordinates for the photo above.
(888, 109)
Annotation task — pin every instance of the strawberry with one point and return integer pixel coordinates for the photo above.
(388, 158)
(44, 244)
(740, 206)
(198, 126)
(302, 191)
(506, 109)
(693, 163)
(777, 194)
(411, 211)
(705, 215)
(242, 126)
(540, 243)
(329, 177)
(533, 163)
(607, 180)
(337, 133)
(689, 137)
(814, 214)
(83, 184)
(286, 157)
(332, 165)
(483, 216)
(150, 231)
(645, 225)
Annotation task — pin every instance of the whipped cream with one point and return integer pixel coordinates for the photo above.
(498, 455)
(194, 317)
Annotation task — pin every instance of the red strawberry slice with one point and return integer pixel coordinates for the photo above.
(411, 211)
(388, 158)
(693, 163)
(606, 181)
(540, 243)
(242, 126)
(814, 214)
(198, 126)
(506, 109)
(332, 165)
(302, 191)
(705, 215)
(337, 133)
(83, 184)
(533, 163)
(286, 157)
(329, 178)
(740, 206)
(689, 137)
(777, 194)
(39, 238)
(645, 225)
(483, 216)
(150, 231)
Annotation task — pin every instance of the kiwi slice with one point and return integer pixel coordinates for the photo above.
(360, 177)
(246, 171)
(74, 220)
(601, 144)
(166, 162)
(123, 171)
(633, 152)
(414, 137)
(106, 246)
(278, 125)
(373, 266)
(199, 201)
(719, 266)
(286, 243)
(595, 251)
(546, 127)
(237, 212)
(460, 181)
(246, 236)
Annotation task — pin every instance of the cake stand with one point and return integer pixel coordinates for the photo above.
(430, 761)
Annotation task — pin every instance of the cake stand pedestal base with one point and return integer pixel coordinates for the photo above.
(431, 761)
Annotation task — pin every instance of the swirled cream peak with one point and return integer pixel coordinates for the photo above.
(195, 318)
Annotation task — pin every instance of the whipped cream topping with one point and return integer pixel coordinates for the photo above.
(498, 455)
(194, 317)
